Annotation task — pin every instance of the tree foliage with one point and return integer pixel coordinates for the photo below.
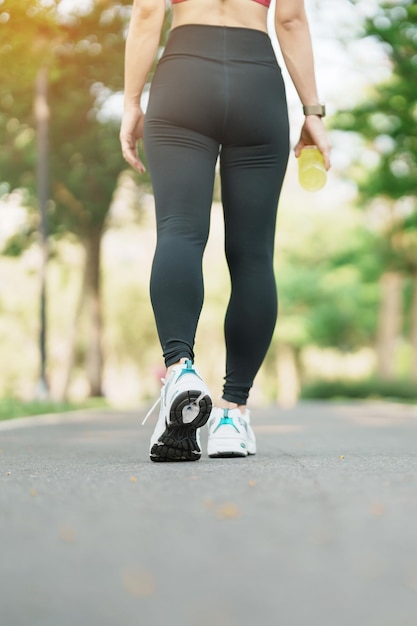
(386, 122)
(387, 118)
(82, 54)
(328, 296)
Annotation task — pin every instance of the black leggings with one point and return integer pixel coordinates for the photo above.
(217, 90)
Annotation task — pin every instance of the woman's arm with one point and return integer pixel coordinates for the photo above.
(294, 38)
(141, 47)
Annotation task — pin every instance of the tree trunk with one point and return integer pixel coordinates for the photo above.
(72, 342)
(414, 329)
(288, 376)
(89, 303)
(94, 355)
(389, 323)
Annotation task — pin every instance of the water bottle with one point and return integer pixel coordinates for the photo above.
(311, 170)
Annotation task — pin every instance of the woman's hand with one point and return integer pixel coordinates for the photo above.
(313, 133)
(131, 132)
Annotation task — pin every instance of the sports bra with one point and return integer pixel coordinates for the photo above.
(266, 3)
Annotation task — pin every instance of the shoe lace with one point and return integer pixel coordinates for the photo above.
(153, 407)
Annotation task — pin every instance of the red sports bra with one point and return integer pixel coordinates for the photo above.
(264, 2)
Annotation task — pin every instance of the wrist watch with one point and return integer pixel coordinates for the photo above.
(314, 109)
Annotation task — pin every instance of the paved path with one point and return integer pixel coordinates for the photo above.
(319, 529)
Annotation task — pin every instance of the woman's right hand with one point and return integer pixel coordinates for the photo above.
(131, 132)
(313, 133)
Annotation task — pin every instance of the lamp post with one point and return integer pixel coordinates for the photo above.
(42, 124)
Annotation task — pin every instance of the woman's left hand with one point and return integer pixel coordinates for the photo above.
(313, 133)
(131, 132)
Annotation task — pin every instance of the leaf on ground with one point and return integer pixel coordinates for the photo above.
(138, 583)
(133, 479)
(33, 492)
(227, 511)
(252, 483)
(377, 509)
(8, 473)
(67, 534)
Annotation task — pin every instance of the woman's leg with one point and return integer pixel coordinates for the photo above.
(253, 162)
(182, 164)
(250, 197)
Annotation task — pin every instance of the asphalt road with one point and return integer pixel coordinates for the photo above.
(318, 529)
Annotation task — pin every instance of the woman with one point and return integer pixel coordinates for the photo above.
(217, 93)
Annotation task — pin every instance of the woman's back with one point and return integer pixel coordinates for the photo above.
(237, 13)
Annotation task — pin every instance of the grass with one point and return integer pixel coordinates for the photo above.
(12, 407)
(395, 390)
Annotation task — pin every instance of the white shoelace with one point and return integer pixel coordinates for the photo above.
(153, 407)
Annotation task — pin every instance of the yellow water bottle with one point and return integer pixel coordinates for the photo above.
(311, 170)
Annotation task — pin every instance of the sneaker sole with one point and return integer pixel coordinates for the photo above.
(185, 400)
(225, 449)
(227, 455)
(179, 440)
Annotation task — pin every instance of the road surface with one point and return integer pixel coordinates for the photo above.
(318, 529)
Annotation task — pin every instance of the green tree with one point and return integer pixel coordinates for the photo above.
(326, 274)
(83, 55)
(77, 54)
(386, 122)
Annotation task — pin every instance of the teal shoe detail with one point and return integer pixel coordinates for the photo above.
(226, 421)
(188, 369)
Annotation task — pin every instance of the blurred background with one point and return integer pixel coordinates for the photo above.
(77, 227)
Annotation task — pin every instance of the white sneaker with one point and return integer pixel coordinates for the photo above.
(230, 434)
(185, 406)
